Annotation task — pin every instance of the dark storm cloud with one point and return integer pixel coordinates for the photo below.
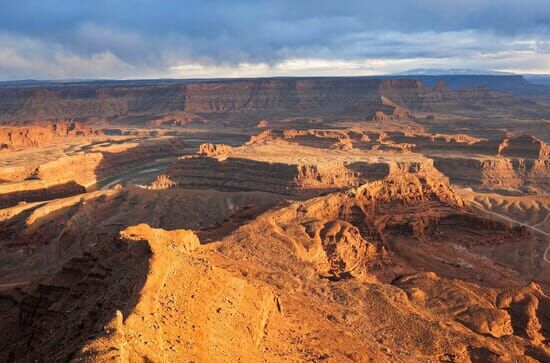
(127, 38)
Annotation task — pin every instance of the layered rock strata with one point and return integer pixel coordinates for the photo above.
(524, 146)
(360, 97)
(112, 303)
(497, 173)
(371, 247)
(214, 149)
(73, 174)
(394, 270)
(42, 134)
(241, 174)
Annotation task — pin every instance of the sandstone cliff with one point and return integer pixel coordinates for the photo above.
(361, 97)
(73, 174)
(370, 245)
(229, 173)
(496, 173)
(524, 146)
(42, 134)
(394, 270)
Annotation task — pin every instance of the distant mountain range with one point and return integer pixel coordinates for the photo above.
(455, 78)
(452, 72)
(515, 84)
(539, 79)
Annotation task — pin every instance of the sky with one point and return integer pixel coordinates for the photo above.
(69, 39)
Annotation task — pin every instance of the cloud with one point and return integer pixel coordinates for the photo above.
(146, 38)
(22, 57)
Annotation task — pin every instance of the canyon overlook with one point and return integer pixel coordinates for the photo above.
(344, 219)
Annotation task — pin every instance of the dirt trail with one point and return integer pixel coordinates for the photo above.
(546, 254)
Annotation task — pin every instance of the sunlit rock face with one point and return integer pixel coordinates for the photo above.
(308, 219)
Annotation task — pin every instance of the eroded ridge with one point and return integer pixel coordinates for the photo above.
(308, 219)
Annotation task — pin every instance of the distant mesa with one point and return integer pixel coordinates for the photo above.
(396, 113)
(181, 103)
(453, 71)
(441, 86)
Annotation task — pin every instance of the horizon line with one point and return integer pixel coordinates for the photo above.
(385, 75)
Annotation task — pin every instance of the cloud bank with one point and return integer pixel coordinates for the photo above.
(227, 38)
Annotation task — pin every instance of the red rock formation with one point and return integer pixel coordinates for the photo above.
(304, 96)
(343, 144)
(309, 253)
(524, 147)
(397, 112)
(496, 173)
(214, 149)
(42, 134)
(426, 142)
(386, 270)
(262, 137)
(71, 175)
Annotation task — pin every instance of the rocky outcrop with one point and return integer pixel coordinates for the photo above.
(16, 173)
(525, 146)
(497, 173)
(37, 190)
(237, 174)
(262, 137)
(312, 137)
(393, 141)
(112, 303)
(424, 138)
(514, 313)
(525, 306)
(59, 178)
(397, 113)
(73, 174)
(337, 248)
(394, 270)
(436, 142)
(393, 147)
(343, 144)
(214, 149)
(37, 238)
(241, 174)
(241, 308)
(42, 134)
(370, 247)
(182, 240)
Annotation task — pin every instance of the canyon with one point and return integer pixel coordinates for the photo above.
(387, 219)
(186, 101)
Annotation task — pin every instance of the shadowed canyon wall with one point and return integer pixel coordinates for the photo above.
(296, 96)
